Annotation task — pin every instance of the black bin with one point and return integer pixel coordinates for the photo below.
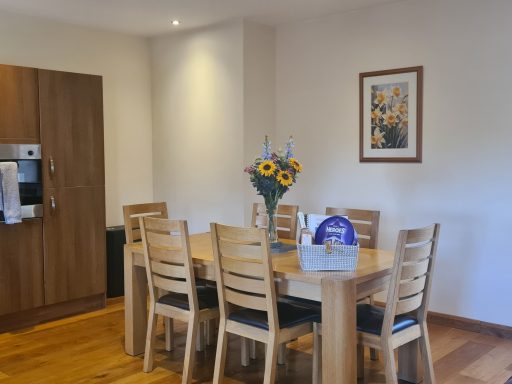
(115, 261)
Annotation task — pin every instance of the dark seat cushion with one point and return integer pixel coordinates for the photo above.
(206, 298)
(370, 318)
(289, 316)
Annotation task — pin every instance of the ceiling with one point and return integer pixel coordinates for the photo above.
(152, 17)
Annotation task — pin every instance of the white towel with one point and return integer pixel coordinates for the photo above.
(10, 192)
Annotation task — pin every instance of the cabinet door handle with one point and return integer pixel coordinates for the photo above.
(52, 166)
(53, 204)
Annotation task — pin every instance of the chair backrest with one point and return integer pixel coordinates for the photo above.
(243, 270)
(167, 257)
(286, 219)
(133, 212)
(411, 279)
(366, 224)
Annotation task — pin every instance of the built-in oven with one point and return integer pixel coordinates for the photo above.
(28, 158)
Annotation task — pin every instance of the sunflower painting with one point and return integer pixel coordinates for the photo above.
(389, 106)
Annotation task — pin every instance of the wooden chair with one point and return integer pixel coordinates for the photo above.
(366, 224)
(169, 268)
(133, 212)
(247, 296)
(286, 229)
(286, 219)
(404, 320)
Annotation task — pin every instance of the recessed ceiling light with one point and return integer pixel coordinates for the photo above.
(176, 22)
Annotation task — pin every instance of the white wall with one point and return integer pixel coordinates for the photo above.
(213, 102)
(198, 124)
(259, 99)
(123, 61)
(464, 181)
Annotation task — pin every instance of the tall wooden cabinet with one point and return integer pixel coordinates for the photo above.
(59, 266)
(71, 115)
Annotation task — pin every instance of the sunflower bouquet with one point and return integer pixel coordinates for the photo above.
(272, 175)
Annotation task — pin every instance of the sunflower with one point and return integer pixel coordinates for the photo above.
(295, 164)
(267, 168)
(396, 91)
(284, 178)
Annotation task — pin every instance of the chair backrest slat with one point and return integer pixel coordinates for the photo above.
(410, 304)
(418, 253)
(159, 239)
(247, 301)
(411, 278)
(411, 271)
(132, 213)
(243, 268)
(242, 283)
(366, 224)
(169, 270)
(167, 258)
(168, 255)
(254, 270)
(411, 287)
(230, 249)
(170, 285)
(286, 220)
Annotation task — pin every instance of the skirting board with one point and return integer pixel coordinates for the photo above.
(35, 316)
(465, 324)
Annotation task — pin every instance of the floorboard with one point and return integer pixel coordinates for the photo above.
(89, 349)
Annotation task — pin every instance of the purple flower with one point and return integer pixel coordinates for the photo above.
(267, 151)
(289, 148)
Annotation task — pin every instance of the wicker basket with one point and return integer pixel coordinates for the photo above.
(318, 257)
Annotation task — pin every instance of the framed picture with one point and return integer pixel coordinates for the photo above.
(390, 107)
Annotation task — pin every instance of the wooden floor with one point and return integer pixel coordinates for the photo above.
(89, 349)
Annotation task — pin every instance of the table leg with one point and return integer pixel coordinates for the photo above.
(409, 362)
(339, 344)
(135, 306)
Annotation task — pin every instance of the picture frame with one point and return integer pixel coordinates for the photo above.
(390, 115)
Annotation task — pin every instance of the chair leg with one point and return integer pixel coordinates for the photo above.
(169, 333)
(210, 332)
(389, 362)
(200, 337)
(281, 354)
(190, 353)
(150, 340)
(374, 356)
(360, 361)
(252, 349)
(426, 356)
(244, 349)
(317, 355)
(220, 357)
(271, 360)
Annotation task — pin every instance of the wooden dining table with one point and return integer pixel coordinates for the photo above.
(338, 292)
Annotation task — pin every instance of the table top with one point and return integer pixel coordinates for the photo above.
(372, 263)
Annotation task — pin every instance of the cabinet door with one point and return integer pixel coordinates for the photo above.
(19, 112)
(74, 241)
(71, 112)
(21, 266)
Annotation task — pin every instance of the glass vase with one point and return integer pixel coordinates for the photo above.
(272, 222)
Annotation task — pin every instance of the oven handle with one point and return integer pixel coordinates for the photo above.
(53, 204)
(52, 166)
